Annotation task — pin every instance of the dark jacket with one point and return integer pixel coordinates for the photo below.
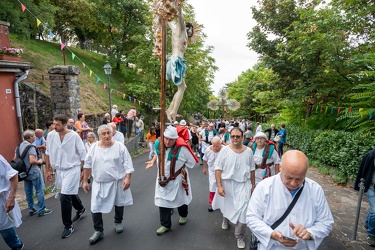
(269, 132)
(366, 170)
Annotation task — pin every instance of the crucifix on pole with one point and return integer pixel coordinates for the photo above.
(223, 102)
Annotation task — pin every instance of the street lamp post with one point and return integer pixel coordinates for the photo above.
(108, 70)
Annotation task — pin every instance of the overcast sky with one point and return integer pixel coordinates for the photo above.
(226, 24)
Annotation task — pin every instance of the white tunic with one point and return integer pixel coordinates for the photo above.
(66, 157)
(270, 200)
(209, 139)
(210, 156)
(6, 173)
(173, 194)
(119, 137)
(258, 158)
(109, 167)
(235, 178)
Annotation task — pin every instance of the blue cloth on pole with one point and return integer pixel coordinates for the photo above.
(176, 68)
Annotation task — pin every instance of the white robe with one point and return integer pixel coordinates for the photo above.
(173, 194)
(235, 178)
(210, 156)
(109, 167)
(66, 158)
(258, 158)
(6, 173)
(270, 200)
(209, 138)
(119, 137)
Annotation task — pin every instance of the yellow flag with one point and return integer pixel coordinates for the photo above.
(90, 72)
(38, 22)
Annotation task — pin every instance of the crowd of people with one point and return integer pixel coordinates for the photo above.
(246, 173)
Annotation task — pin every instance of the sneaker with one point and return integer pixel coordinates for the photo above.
(210, 208)
(162, 230)
(78, 215)
(19, 248)
(96, 237)
(119, 228)
(182, 221)
(67, 232)
(44, 212)
(241, 243)
(225, 224)
(370, 240)
(32, 212)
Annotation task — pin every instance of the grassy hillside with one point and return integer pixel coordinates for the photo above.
(43, 55)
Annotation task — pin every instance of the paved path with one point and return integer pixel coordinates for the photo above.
(202, 231)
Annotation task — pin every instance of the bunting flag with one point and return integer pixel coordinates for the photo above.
(111, 90)
(64, 47)
(321, 108)
(338, 110)
(371, 115)
(23, 7)
(350, 109)
(360, 112)
(326, 110)
(332, 109)
(316, 110)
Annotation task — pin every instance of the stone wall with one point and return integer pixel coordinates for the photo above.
(36, 106)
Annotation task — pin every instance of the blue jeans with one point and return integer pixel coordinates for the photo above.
(11, 238)
(370, 218)
(35, 180)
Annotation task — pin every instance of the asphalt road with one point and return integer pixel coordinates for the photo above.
(202, 230)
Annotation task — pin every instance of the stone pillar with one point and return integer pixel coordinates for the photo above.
(65, 91)
(4, 35)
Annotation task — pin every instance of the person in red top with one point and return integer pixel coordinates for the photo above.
(117, 119)
(184, 132)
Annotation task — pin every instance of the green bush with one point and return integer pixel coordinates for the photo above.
(340, 150)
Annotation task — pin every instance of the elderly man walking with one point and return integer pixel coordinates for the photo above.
(235, 178)
(175, 190)
(66, 153)
(308, 222)
(34, 179)
(111, 167)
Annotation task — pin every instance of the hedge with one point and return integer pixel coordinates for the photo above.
(340, 150)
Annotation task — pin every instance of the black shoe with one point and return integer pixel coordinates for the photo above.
(67, 232)
(210, 208)
(78, 215)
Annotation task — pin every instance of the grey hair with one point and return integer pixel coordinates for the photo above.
(91, 134)
(28, 133)
(103, 127)
(216, 138)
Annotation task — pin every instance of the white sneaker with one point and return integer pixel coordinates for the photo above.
(241, 243)
(225, 224)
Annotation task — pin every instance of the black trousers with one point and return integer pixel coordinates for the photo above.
(165, 215)
(129, 128)
(67, 201)
(98, 218)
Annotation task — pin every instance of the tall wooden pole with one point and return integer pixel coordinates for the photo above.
(162, 95)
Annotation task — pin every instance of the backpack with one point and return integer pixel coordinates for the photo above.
(19, 165)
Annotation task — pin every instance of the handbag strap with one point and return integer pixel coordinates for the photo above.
(294, 201)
